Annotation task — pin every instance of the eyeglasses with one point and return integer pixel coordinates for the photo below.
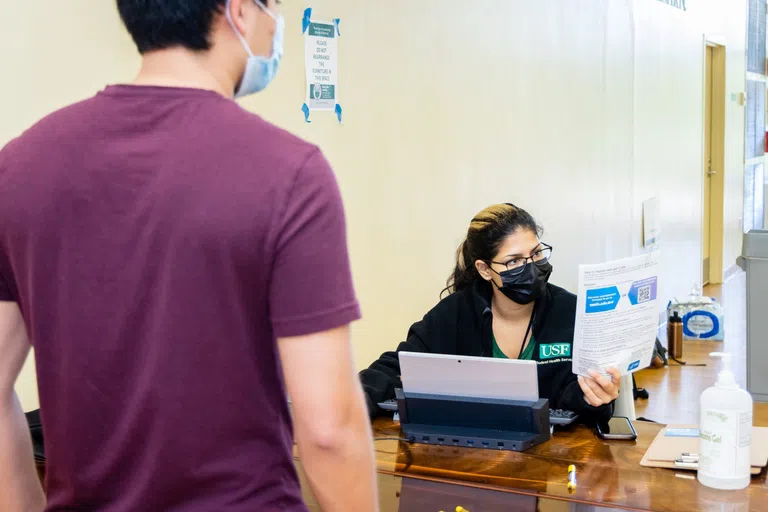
(517, 265)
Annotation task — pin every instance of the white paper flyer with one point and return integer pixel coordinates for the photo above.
(617, 315)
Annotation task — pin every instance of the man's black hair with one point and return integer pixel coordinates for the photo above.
(160, 24)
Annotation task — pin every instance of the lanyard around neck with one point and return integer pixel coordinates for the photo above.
(527, 332)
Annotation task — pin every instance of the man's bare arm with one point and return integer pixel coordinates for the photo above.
(330, 420)
(20, 489)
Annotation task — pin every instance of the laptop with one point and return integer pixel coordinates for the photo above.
(464, 376)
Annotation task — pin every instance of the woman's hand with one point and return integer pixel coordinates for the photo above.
(598, 390)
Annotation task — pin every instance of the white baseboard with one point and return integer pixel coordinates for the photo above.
(731, 272)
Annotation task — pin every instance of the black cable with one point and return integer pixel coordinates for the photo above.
(403, 439)
(683, 363)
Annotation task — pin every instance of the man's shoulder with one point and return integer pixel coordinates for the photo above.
(263, 134)
(254, 139)
(218, 118)
(46, 130)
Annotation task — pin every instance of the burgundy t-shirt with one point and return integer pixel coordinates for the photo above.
(158, 241)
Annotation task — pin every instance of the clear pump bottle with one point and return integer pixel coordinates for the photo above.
(726, 432)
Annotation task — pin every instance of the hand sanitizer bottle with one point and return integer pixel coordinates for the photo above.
(726, 432)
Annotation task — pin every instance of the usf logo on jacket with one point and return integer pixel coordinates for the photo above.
(553, 350)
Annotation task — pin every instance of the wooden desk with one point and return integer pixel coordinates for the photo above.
(608, 473)
(402, 494)
(428, 478)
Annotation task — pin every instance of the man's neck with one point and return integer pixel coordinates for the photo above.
(508, 310)
(178, 67)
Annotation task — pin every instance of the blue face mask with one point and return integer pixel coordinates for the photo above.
(259, 71)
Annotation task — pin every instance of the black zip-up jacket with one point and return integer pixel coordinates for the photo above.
(461, 324)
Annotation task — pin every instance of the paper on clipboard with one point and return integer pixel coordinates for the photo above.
(669, 444)
(617, 315)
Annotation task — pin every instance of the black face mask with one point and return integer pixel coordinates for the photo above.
(527, 286)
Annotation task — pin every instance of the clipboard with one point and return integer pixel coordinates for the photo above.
(676, 440)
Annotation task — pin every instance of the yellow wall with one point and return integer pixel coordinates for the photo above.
(575, 109)
(55, 53)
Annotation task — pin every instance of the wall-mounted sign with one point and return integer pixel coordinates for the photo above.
(321, 49)
(679, 4)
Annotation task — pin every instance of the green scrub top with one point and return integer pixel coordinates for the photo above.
(526, 355)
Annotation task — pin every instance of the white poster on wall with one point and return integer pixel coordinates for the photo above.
(651, 222)
(322, 65)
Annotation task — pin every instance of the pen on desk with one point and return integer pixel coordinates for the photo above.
(571, 478)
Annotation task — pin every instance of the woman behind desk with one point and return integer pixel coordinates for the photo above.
(500, 304)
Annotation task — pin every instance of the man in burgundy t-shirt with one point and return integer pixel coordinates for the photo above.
(178, 262)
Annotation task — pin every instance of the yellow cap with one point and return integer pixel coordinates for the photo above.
(571, 468)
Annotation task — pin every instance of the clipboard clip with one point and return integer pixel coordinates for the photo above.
(687, 461)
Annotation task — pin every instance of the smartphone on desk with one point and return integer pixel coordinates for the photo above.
(617, 427)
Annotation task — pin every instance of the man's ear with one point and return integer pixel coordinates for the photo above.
(483, 270)
(237, 14)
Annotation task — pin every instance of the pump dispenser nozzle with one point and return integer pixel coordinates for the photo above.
(725, 379)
